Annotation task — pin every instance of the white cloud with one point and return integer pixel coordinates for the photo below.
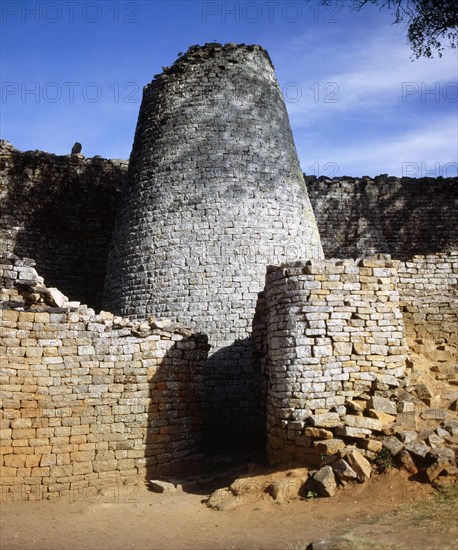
(379, 76)
(428, 150)
(373, 128)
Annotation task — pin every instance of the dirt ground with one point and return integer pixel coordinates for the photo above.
(388, 512)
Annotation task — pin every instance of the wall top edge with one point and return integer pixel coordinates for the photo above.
(311, 267)
(7, 149)
(198, 54)
(376, 180)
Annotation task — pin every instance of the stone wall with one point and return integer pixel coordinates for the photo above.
(428, 288)
(60, 211)
(90, 400)
(334, 337)
(214, 194)
(398, 216)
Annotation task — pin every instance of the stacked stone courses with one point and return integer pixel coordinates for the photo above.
(428, 287)
(60, 211)
(214, 193)
(311, 356)
(91, 400)
(334, 332)
(403, 217)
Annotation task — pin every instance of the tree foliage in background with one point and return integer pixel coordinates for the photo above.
(432, 25)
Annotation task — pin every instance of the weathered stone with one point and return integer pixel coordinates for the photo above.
(433, 414)
(326, 420)
(384, 418)
(372, 445)
(438, 467)
(362, 422)
(319, 433)
(442, 433)
(433, 440)
(423, 392)
(451, 426)
(406, 436)
(407, 462)
(347, 431)
(343, 470)
(406, 406)
(393, 445)
(324, 482)
(56, 298)
(417, 449)
(285, 489)
(356, 405)
(223, 499)
(329, 446)
(359, 464)
(362, 349)
(381, 404)
(444, 453)
(158, 486)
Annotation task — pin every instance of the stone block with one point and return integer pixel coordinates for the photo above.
(360, 348)
(417, 448)
(347, 431)
(325, 420)
(363, 422)
(343, 348)
(81, 468)
(382, 404)
(15, 460)
(285, 489)
(322, 351)
(359, 464)
(105, 465)
(318, 433)
(393, 444)
(384, 418)
(329, 446)
(343, 470)
(158, 486)
(324, 482)
(407, 462)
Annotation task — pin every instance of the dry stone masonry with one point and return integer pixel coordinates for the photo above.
(311, 358)
(334, 335)
(385, 215)
(214, 193)
(90, 400)
(428, 286)
(60, 211)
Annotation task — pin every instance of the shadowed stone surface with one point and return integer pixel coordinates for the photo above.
(214, 194)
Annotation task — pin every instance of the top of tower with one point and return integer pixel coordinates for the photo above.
(197, 54)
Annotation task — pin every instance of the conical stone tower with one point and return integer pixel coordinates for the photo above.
(214, 194)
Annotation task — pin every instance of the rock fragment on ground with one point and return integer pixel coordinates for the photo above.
(159, 486)
(359, 464)
(324, 482)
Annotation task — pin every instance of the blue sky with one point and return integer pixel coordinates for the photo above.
(74, 71)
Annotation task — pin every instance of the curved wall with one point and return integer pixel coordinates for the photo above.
(214, 194)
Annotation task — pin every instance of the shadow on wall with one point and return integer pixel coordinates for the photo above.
(174, 426)
(402, 217)
(232, 414)
(60, 212)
